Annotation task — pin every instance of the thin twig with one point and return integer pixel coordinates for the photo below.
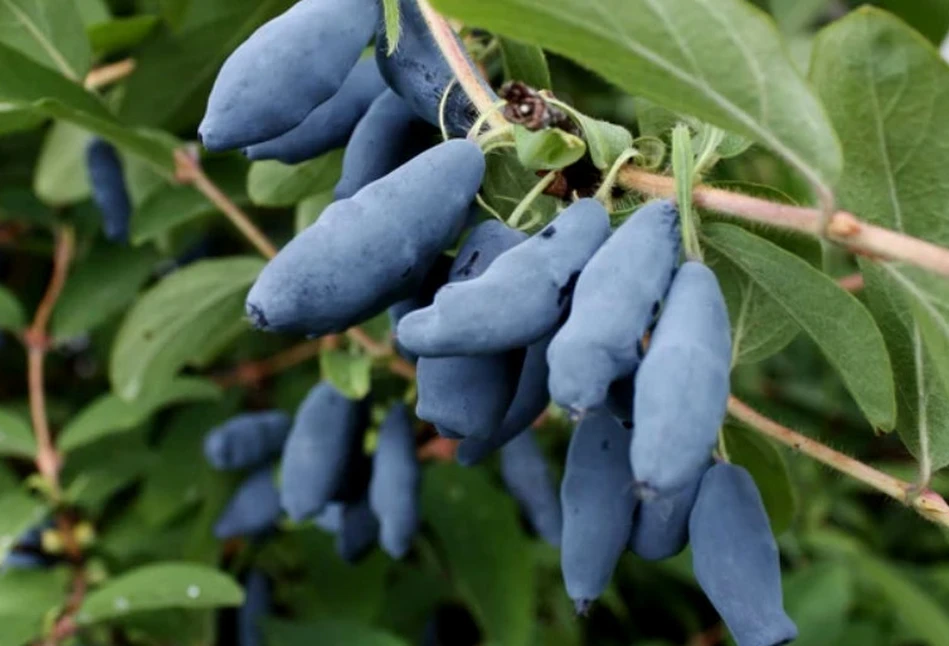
(852, 283)
(253, 372)
(926, 502)
(467, 75)
(844, 228)
(37, 344)
(188, 171)
(109, 74)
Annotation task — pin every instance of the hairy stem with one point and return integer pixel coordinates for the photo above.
(468, 77)
(927, 503)
(188, 170)
(844, 228)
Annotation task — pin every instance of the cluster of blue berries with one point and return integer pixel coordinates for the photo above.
(604, 323)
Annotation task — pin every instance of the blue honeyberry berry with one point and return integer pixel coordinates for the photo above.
(526, 475)
(468, 396)
(387, 136)
(109, 190)
(682, 384)
(394, 486)
(661, 525)
(613, 304)
(326, 436)
(735, 558)
(418, 72)
(530, 400)
(247, 440)
(330, 124)
(287, 68)
(253, 510)
(250, 616)
(358, 532)
(519, 299)
(598, 501)
(370, 251)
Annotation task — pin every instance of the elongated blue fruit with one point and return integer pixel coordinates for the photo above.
(285, 69)
(735, 558)
(371, 251)
(253, 509)
(527, 476)
(616, 297)
(326, 435)
(419, 73)
(394, 487)
(109, 190)
(468, 396)
(598, 501)
(247, 440)
(682, 385)
(661, 525)
(358, 531)
(330, 124)
(389, 135)
(330, 520)
(256, 607)
(520, 298)
(529, 402)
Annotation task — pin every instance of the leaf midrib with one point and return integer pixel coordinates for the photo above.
(43, 42)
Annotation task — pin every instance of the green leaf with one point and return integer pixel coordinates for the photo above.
(838, 322)
(176, 319)
(101, 286)
(14, 119)
(95, 473)
(166, 207)
(60, 177)
(110, 414)
(160, 586)
(174, 481)
(174, 71)
(27, 598)
(393, 22)
(48, 31)
(19, 512)
(506, 183)
(349, 373)
(721, 61)
(16, 436)
(819, 598)
(309, 210)
(767, 466)
(328, 632)
(121, 34)
(25, 83)
(525, 63)
(878, 77)
(12, 314)
(920, 614)
(761, 326)
(489, 557)
(929, 17)
(547, 149)
(795, 15)
(272, 183)
(92, 12)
